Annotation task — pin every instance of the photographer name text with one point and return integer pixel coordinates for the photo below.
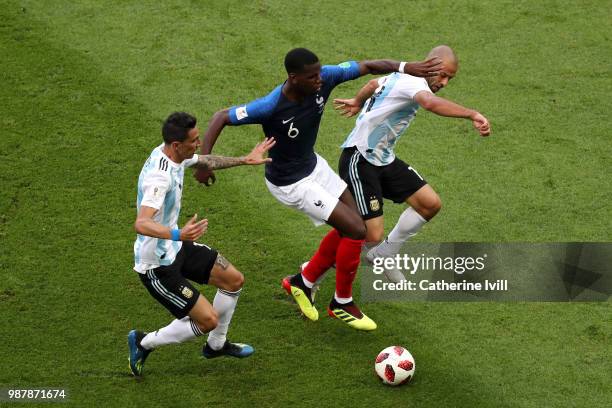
(500, 285)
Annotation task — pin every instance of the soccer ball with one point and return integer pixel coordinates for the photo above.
(395, 365)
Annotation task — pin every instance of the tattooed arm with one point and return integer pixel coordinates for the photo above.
(213, 162)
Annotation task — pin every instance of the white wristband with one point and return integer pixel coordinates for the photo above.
(401, 67)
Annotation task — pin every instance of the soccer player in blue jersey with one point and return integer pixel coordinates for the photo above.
(301, 179)
(386, 107)
(166, 256)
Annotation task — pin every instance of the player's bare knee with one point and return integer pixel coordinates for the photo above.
(237, 281)
(434, 207)
(359, 231)
(353, 228)
(375, 235)
(209, 322)
(430, 207)
(212, 322)
(234, 279)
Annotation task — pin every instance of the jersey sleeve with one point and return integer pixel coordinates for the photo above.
(154, 188)
(256, 111)
(336, 74)
(191, 162)
(408, 86)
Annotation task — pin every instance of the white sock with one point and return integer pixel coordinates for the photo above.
(342, 301)
(178, 331)
(409, 223)
(308, 283)
(225, 304)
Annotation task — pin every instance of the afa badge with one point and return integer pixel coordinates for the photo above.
(374, 204)
(188, 293)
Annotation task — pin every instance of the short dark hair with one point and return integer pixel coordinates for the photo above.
(177, 126)
(297, 58)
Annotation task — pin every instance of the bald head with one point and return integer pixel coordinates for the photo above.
(445, 53)
(449, 67)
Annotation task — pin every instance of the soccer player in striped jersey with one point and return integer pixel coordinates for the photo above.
(301, 179)
(167, 257)
(386, 107)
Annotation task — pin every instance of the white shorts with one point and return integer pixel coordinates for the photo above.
(316, 195)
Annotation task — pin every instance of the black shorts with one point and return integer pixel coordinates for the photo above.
(369, 184)
(169, 284)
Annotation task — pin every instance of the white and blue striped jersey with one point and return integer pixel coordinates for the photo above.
(160, 186)
(385, 117)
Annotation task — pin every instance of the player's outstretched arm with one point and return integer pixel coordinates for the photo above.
(351, 107)
(219, 120)
(427, 68)
(216, 125)
(145, 225)
(211, 162)
(444, 107)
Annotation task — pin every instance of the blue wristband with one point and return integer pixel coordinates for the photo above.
(175, 234)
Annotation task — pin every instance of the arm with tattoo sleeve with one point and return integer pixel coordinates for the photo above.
(211, 162)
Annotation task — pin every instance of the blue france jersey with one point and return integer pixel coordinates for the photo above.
(294, 125)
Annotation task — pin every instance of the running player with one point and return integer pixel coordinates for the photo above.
(301, 179)
(166, 256)
(368, 163)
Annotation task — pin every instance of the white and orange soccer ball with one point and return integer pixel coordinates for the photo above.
(395, 365)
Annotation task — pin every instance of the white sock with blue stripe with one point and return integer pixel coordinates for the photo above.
(225, 304)
(178, 331)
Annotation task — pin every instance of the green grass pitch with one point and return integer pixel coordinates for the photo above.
(84, 88)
